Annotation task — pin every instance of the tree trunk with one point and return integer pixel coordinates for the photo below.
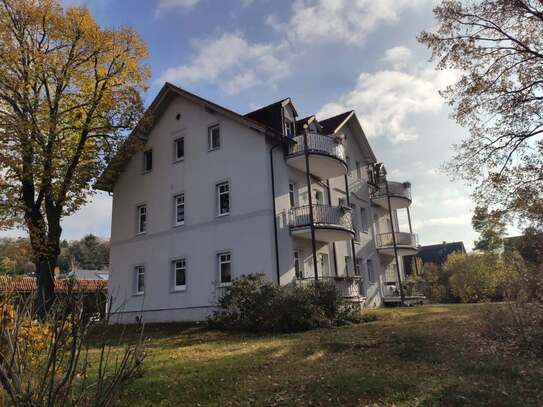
(45, 279)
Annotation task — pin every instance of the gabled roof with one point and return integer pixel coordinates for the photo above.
(139, 135)
(334, 123)
(306, 120)
(271, 115)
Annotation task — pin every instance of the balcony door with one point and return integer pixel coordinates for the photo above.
(323, 265)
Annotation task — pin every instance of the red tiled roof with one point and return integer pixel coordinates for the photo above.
(27, 284)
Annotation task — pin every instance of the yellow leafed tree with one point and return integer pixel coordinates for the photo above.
(69, 91)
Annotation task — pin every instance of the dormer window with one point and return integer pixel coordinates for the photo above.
(147, 160)
(289, 128)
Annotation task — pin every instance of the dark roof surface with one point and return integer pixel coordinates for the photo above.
(331, 124)
(437, 253)
(271, 115)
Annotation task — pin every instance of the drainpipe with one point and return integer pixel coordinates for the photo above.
(310, 198)
(333, 243)
(402, 297)
(275, 214)
(352, 240)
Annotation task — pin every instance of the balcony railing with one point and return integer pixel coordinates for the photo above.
(402, 239)
(319, 144)
(398, 189)
(323, 215)
(348, 287)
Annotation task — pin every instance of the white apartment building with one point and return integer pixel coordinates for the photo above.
(203, 195)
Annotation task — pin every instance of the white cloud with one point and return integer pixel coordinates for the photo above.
(397, 56)
(385, 99)
(232, 62)
(183, 5)
(348, 21)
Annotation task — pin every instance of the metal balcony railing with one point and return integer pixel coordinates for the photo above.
(318, 143)
(348, 287)
(398, 189)
(402, 239)
(323, 215)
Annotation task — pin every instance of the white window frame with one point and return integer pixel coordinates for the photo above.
(139, 270)
(348, 261)
(175, 268)
(290, 126)
(210, 129)
(220, 262)
(218, 197)
(371, 271)
(176, 158)
(364, 223)
(176, 205)
(292, 194)
(141, 226)
(145, 155)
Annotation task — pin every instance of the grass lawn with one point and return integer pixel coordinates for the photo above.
(423, 356)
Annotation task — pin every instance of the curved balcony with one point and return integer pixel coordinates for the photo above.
(326, 156)
(332, 223)
(406, 243)
(400, 195)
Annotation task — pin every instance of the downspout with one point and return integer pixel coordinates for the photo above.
(402, 297)
(275, 213)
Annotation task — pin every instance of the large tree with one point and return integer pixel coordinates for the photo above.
(497, 48)
(490, 224)
(69, 90)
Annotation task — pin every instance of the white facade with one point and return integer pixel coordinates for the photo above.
(204, 206)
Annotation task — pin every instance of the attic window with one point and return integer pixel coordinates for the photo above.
(289, 128)
(147, 160)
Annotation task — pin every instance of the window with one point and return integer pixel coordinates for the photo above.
(319, 197)
(371, 272)
(225, 268)
(140, 279)
(223, 198)
(147, 160)
(179, 209)
(291, 195)
(323, 264)
(297, 265)
(342, 202)
(289, 128)
(364, 220)
(214, 137)
(358, 268)
(358, 172)
(179, 148)
(347, 264)
(355, 222)
(142, 218)
(179, 268)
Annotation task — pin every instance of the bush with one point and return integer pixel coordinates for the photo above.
(252, 304)
(474, 277)
(49, 363)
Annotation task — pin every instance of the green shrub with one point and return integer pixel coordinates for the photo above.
(252, 304)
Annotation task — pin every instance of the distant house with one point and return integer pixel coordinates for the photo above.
(435, 253)
(92, 292)
(102, 275)
(529, 246)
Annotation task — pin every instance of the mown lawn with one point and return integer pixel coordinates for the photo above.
(423, 356)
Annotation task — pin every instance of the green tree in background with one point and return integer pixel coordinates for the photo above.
(490, 225)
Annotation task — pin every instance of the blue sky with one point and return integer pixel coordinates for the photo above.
(328, 56)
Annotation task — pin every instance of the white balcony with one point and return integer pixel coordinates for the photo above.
(350, 287)
(332, 224)
(326, 156)
(406, 243)
(400, 195)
